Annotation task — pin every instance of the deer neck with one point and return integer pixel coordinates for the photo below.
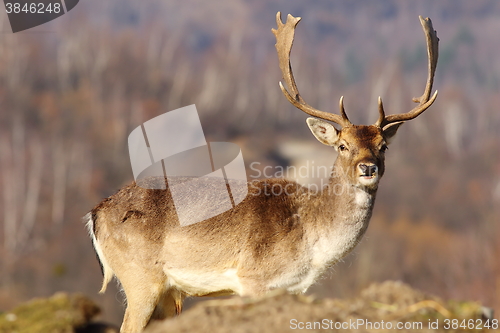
(338, 217)
(347, 203)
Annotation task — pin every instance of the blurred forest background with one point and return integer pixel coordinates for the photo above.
(73, 89)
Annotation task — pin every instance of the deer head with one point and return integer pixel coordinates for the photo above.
(360, 148)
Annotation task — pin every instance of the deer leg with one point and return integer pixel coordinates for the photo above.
(252, 287)
(178, 300)
(169, 305)
(143, 293)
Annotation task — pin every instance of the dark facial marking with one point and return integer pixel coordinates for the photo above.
(365, 136)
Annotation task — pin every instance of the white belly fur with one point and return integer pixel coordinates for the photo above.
(203, 283)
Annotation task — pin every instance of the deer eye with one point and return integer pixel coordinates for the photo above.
(384, 148)
(342, 148)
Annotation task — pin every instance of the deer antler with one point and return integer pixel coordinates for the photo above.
(284, 40)
(425, 100)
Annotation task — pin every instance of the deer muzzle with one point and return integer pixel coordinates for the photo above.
(368, 170)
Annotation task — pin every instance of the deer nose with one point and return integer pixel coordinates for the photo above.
(367, 169)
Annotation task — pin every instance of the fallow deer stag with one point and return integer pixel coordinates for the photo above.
(266, 242)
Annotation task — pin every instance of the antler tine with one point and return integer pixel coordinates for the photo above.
(381, 113)
(426, 99)
(342, 110)
(284, 41)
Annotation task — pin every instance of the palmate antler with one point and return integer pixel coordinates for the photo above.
(284, 41)
(425, 100)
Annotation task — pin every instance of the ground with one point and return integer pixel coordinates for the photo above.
(381, 307)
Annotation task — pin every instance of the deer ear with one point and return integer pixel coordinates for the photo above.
(390, 131)
(323, 131)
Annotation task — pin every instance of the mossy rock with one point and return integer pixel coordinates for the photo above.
(61, 313)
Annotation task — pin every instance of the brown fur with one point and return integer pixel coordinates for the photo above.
(267, 236)
(270, 240)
